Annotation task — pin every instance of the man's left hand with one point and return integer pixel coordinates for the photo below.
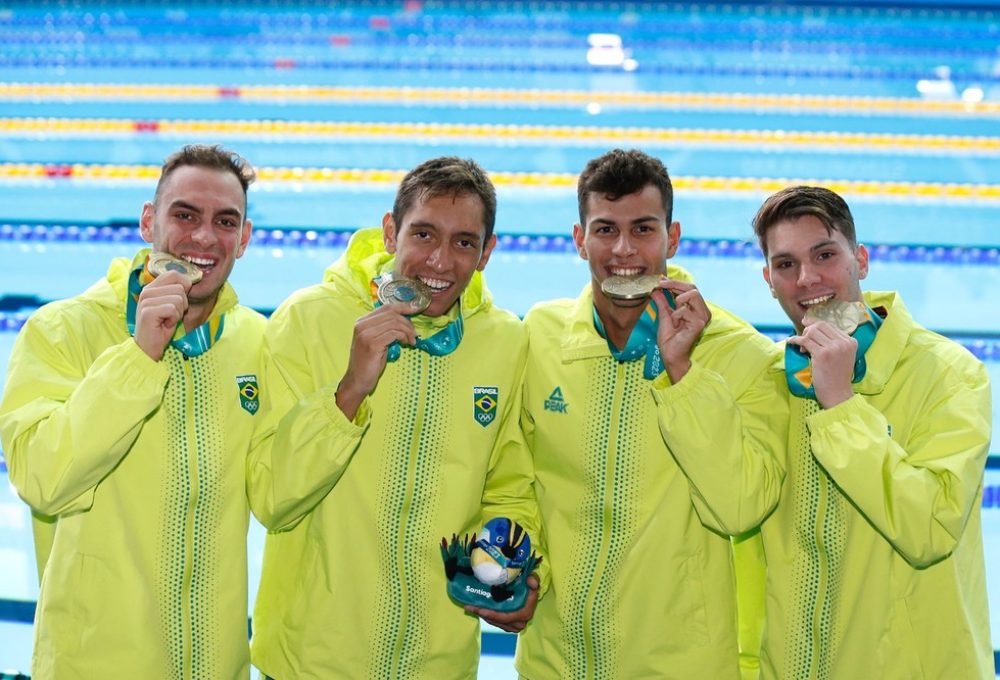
(679, 328)
(832, 353)
(512, 622)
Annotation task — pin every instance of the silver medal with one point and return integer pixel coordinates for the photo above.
(401, 290)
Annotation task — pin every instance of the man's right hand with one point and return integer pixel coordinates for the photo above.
(162, 304)
(373, 334)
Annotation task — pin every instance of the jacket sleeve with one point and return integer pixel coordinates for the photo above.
(918, 494)
(509, 490)
(65, 425)
(727, 442)
(306, 442)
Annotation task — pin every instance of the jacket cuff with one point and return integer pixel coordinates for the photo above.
(666, 392)
(856, 405)
(136, 366)
(353, 428)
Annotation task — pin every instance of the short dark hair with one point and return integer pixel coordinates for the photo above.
(620, 173)
(795, 202)
(447, 175)
(212, 156)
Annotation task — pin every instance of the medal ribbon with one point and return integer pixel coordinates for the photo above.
(198, 341)
(445, 341)
(798, 369)
(641, 341)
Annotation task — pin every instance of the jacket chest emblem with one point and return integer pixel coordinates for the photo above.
(484, 403)
(249, 393)
(556, 403)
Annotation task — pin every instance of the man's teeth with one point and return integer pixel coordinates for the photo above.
(623, 271)
(435, 284)
(816, 301)
(199, 262)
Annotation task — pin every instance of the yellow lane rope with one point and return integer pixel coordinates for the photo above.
(278, 130)
(347, 177)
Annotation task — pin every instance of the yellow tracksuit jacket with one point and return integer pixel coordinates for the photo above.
(142, 467)
(874, 555)
(639, 484)
(353, 585)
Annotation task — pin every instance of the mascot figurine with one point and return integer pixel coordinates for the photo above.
(490, 570)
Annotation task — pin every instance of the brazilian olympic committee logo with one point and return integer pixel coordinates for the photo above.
(485, 400)
(249, 393)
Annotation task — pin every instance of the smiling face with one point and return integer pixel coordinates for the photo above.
(198, 216)
(628, 236)
(442, 242)
(808, 263)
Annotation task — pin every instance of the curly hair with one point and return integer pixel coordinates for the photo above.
(620, 173)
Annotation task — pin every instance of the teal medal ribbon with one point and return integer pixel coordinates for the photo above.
(798, 366)
(445, 341)
(198, 341)
(641, 341)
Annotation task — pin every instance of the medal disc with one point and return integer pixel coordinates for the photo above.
(161, 263)
(846, 316)
(410, 292)
(630, 287)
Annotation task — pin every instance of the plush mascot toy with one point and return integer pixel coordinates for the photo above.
(490, 570)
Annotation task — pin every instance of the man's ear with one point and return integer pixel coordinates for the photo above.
(146, 221)
(673, 238)
(862, 256)
(578, 234)
(389, 233)
(767, 277)
(487, 251)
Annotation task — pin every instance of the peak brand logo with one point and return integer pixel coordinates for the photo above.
(556, 403)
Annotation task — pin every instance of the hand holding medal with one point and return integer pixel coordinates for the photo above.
(162, 301)
(376, 333)
(829, 355)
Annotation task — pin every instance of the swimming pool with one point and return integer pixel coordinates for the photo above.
(896, 107)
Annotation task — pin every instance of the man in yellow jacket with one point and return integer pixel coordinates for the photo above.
(126, 420)
(874, 555)
(403, 427)
(651, 420)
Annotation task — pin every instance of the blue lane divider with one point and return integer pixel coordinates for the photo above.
(17, 611)
(951, 47)
(960, 21)
(516, 243)
(959, 75)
